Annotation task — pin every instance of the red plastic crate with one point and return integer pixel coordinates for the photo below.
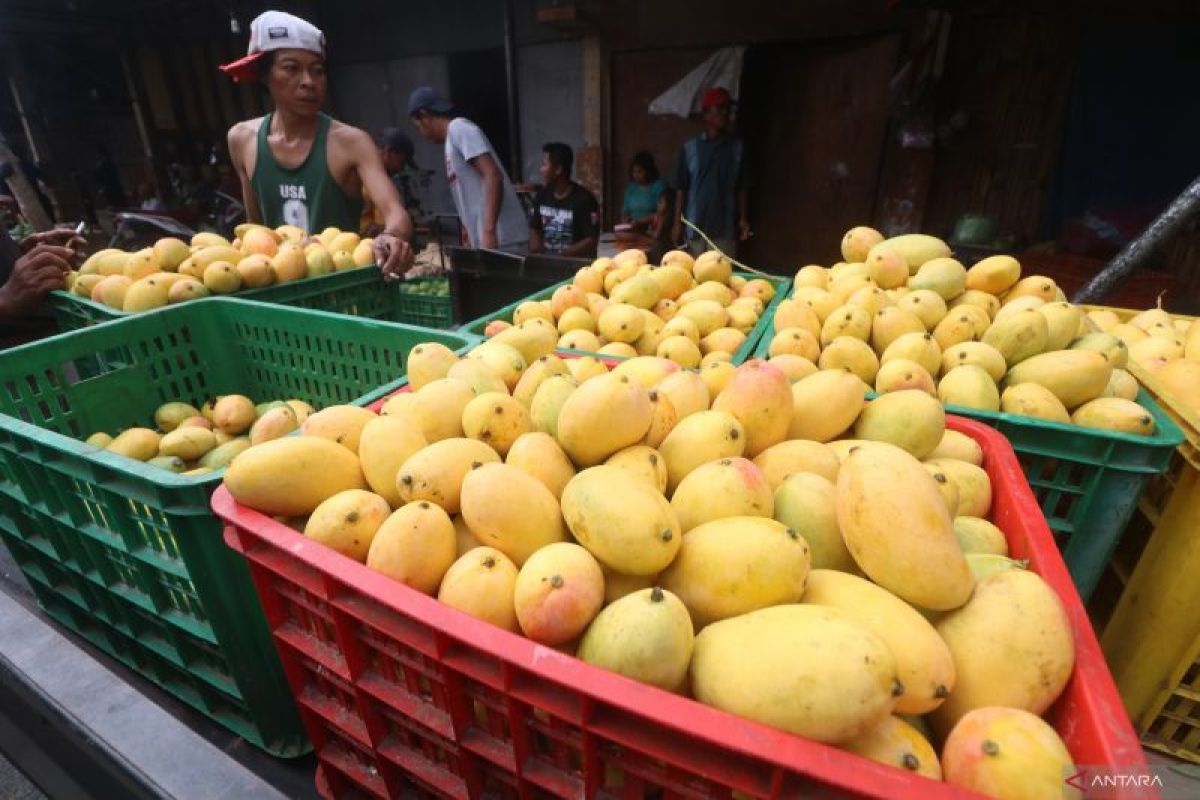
(398, 691)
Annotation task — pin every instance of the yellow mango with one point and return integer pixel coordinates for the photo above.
(969, 386)
(698, 439)
(645, 635)
(793, 313)
(896, 743)
(974, 486)
(1007, 752)
(481, 583)
(505, 359)
(558, 592)
(531, 339)
(481, 377)
(917, 248)
(225, 451)
(427, 362)
(858, 241)
(342, 424)
(495, 418)
(1062, 323)
(976, 535)
(439, 407)
(760, 397)
(945, 277)
(978, 353)
(538, 454)
(1018, 336)
(273, 424)
(188, 443)
(994, 275)
(604, 415)
(1073, 376)
(549, 398)
(386, 443)
(960, 446)
(291, 476)
(900, 373)
(687, 392)
(1038, 286)
(854, 355)
(137, 443)
(510, 510)
(909, 419)
(806, 501)
(347, 522)
(436, 472)
(1033, 400)
(729, 487)
(846, 321)
(414, 546)
(1110, 346)
(1115, 414)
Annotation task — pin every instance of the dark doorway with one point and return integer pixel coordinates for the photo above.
(478, 89)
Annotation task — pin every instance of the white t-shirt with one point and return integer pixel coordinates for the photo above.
(464, 141)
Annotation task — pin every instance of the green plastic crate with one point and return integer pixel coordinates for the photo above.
(1087, 481)
(130, 556)
(360, 292)
(746, 351)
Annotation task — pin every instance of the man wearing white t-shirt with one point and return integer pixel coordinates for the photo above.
(484, 196)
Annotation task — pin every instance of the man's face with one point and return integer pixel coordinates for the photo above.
(297, 81)
(547, 170)
(718, 116)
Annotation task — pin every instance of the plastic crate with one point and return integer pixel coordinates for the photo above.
(130, 556)
(1087, 481)
(746, 351)
(398, 691)
(360, 292)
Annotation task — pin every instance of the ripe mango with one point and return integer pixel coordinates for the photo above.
(1012, 645)
(1038, 286)
(621, 519)
(436, 472)
(439, 407)
(969, 386)
(955, 327)
(729, 487)
(848, 353)
(532, 339)
(1154, 348)
(646, 635)
(752, 665)
(427, 362)
(1182, 380)
(698, 439)
(481, 583)
(621, 322)
(464, 540)
(680, 350)
(960, 446)
(168, 416)
(273, 424)
(807, 502)
(945, 277)
(794, 313)
(708, 315)
(900, 373)
(687, 392)
(985, 564)
(1018, 336)
(846, 321)
(896, 527)
(385, 444)
(415, 546)
(640, 291)
(1073, 376)
(926, 304)
(976, 535)
(234, 413)
(169, 463)
(549, 399)
(892, 322)
(136, 443)
(582, 340)
(1007, 752)
(99, 439)
(994, 275)
(347, 522)
(825, 405)
(923, 664)
(558, 592)
(887, 267)
(858, 241)
(794, 368)
(510, 510)
(946, 488)
(796, 455)
(220, 456)
(712, 266)
(496, 418)
(604, 415)
(909, 419)
(291, 476)
(1033, 400)
(709, 574)
(1062, 322)
(919, 347)
(1018, 305)
(643, 461)
(342, 424)
(1115, 414)
(187, 443)
(539, 455)
(111, 291)
(505, 359)
(898, 744)
(401, 404)
(974, 486)
(1113, 348)
(760, 397)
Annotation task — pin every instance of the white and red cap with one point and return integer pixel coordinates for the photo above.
(275, 30)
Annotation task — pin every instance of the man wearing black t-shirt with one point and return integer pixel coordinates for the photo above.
(566, 217)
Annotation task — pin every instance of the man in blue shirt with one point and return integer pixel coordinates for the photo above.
(710, 181)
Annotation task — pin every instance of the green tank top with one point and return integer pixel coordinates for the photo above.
(307, 196)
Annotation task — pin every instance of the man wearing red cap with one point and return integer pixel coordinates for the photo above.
(299, 167)
(709, 181)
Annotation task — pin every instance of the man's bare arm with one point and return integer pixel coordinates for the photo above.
(493, 196)
(239, 136)
(393, 250)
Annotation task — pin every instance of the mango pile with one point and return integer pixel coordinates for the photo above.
(1172, 354)
(172, 271)
(690, 311)
(784, 552)
(901, 313)
(196, 441)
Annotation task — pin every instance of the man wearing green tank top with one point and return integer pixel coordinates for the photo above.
(296, 164)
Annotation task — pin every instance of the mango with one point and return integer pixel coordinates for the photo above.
(946, 488)
(698, 439)
(712, 266)
(919, 347)
(825, 405)
(1033, 400)
(427, 362)
(558, 592)
(1129, 334)
(892, 322)
(795, 313)
(1155, 348)
(687, 392)
(621, 322)
(796, 455)
(754, 665)
(1062, 322)
(187, 443)
(621, 519)
(99, 439)
(496, 418)
(909, 419)
(960, 446)
(234, 413)
(1115, 414)
(549, 399)
(343, 424)
(945, 277)
(531, 340)
(137, 443)
(539, 455)
(401, 404)
(1012, 645)
(1007, 752)
(582, 340)
(385, 444)
(273, 424)
(604, 415)
(347, 522)
(1182, 380)
(1018, 336)
(924, 667)
(793, 367)
(969, 386)
(505, 359)
(168, 416)
(534, 309)
(846, 321)
(510, 510)
(318, 261)
(994, 275)
(1038, 286)
(954, 328)
(985, 564)
(976, 535)
(1112, 347)
(709, 572)
(858, 241)
(220, 456)
(900, 373)
(414, 546)
(716, 376)
(291, 476)
(853, 355)
(662, 419)
(898, 744)
(464, 540)
(680, 350)
(169, 463)
(646, 635)
(643, 461)
(887, 267)
(896, 526)
(729, 487)
(974, 486)
(111, 291)
(760, 397)
(436, 473)
(1073, 376)
(439, 408)
(481, 583)
(806, 502)
(618, 585)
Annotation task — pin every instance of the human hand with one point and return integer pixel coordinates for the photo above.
(35, 274)
(393, 255)
(58, 237)
(489, 240)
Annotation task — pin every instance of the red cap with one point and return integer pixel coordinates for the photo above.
(715, 96)
(244, 69)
